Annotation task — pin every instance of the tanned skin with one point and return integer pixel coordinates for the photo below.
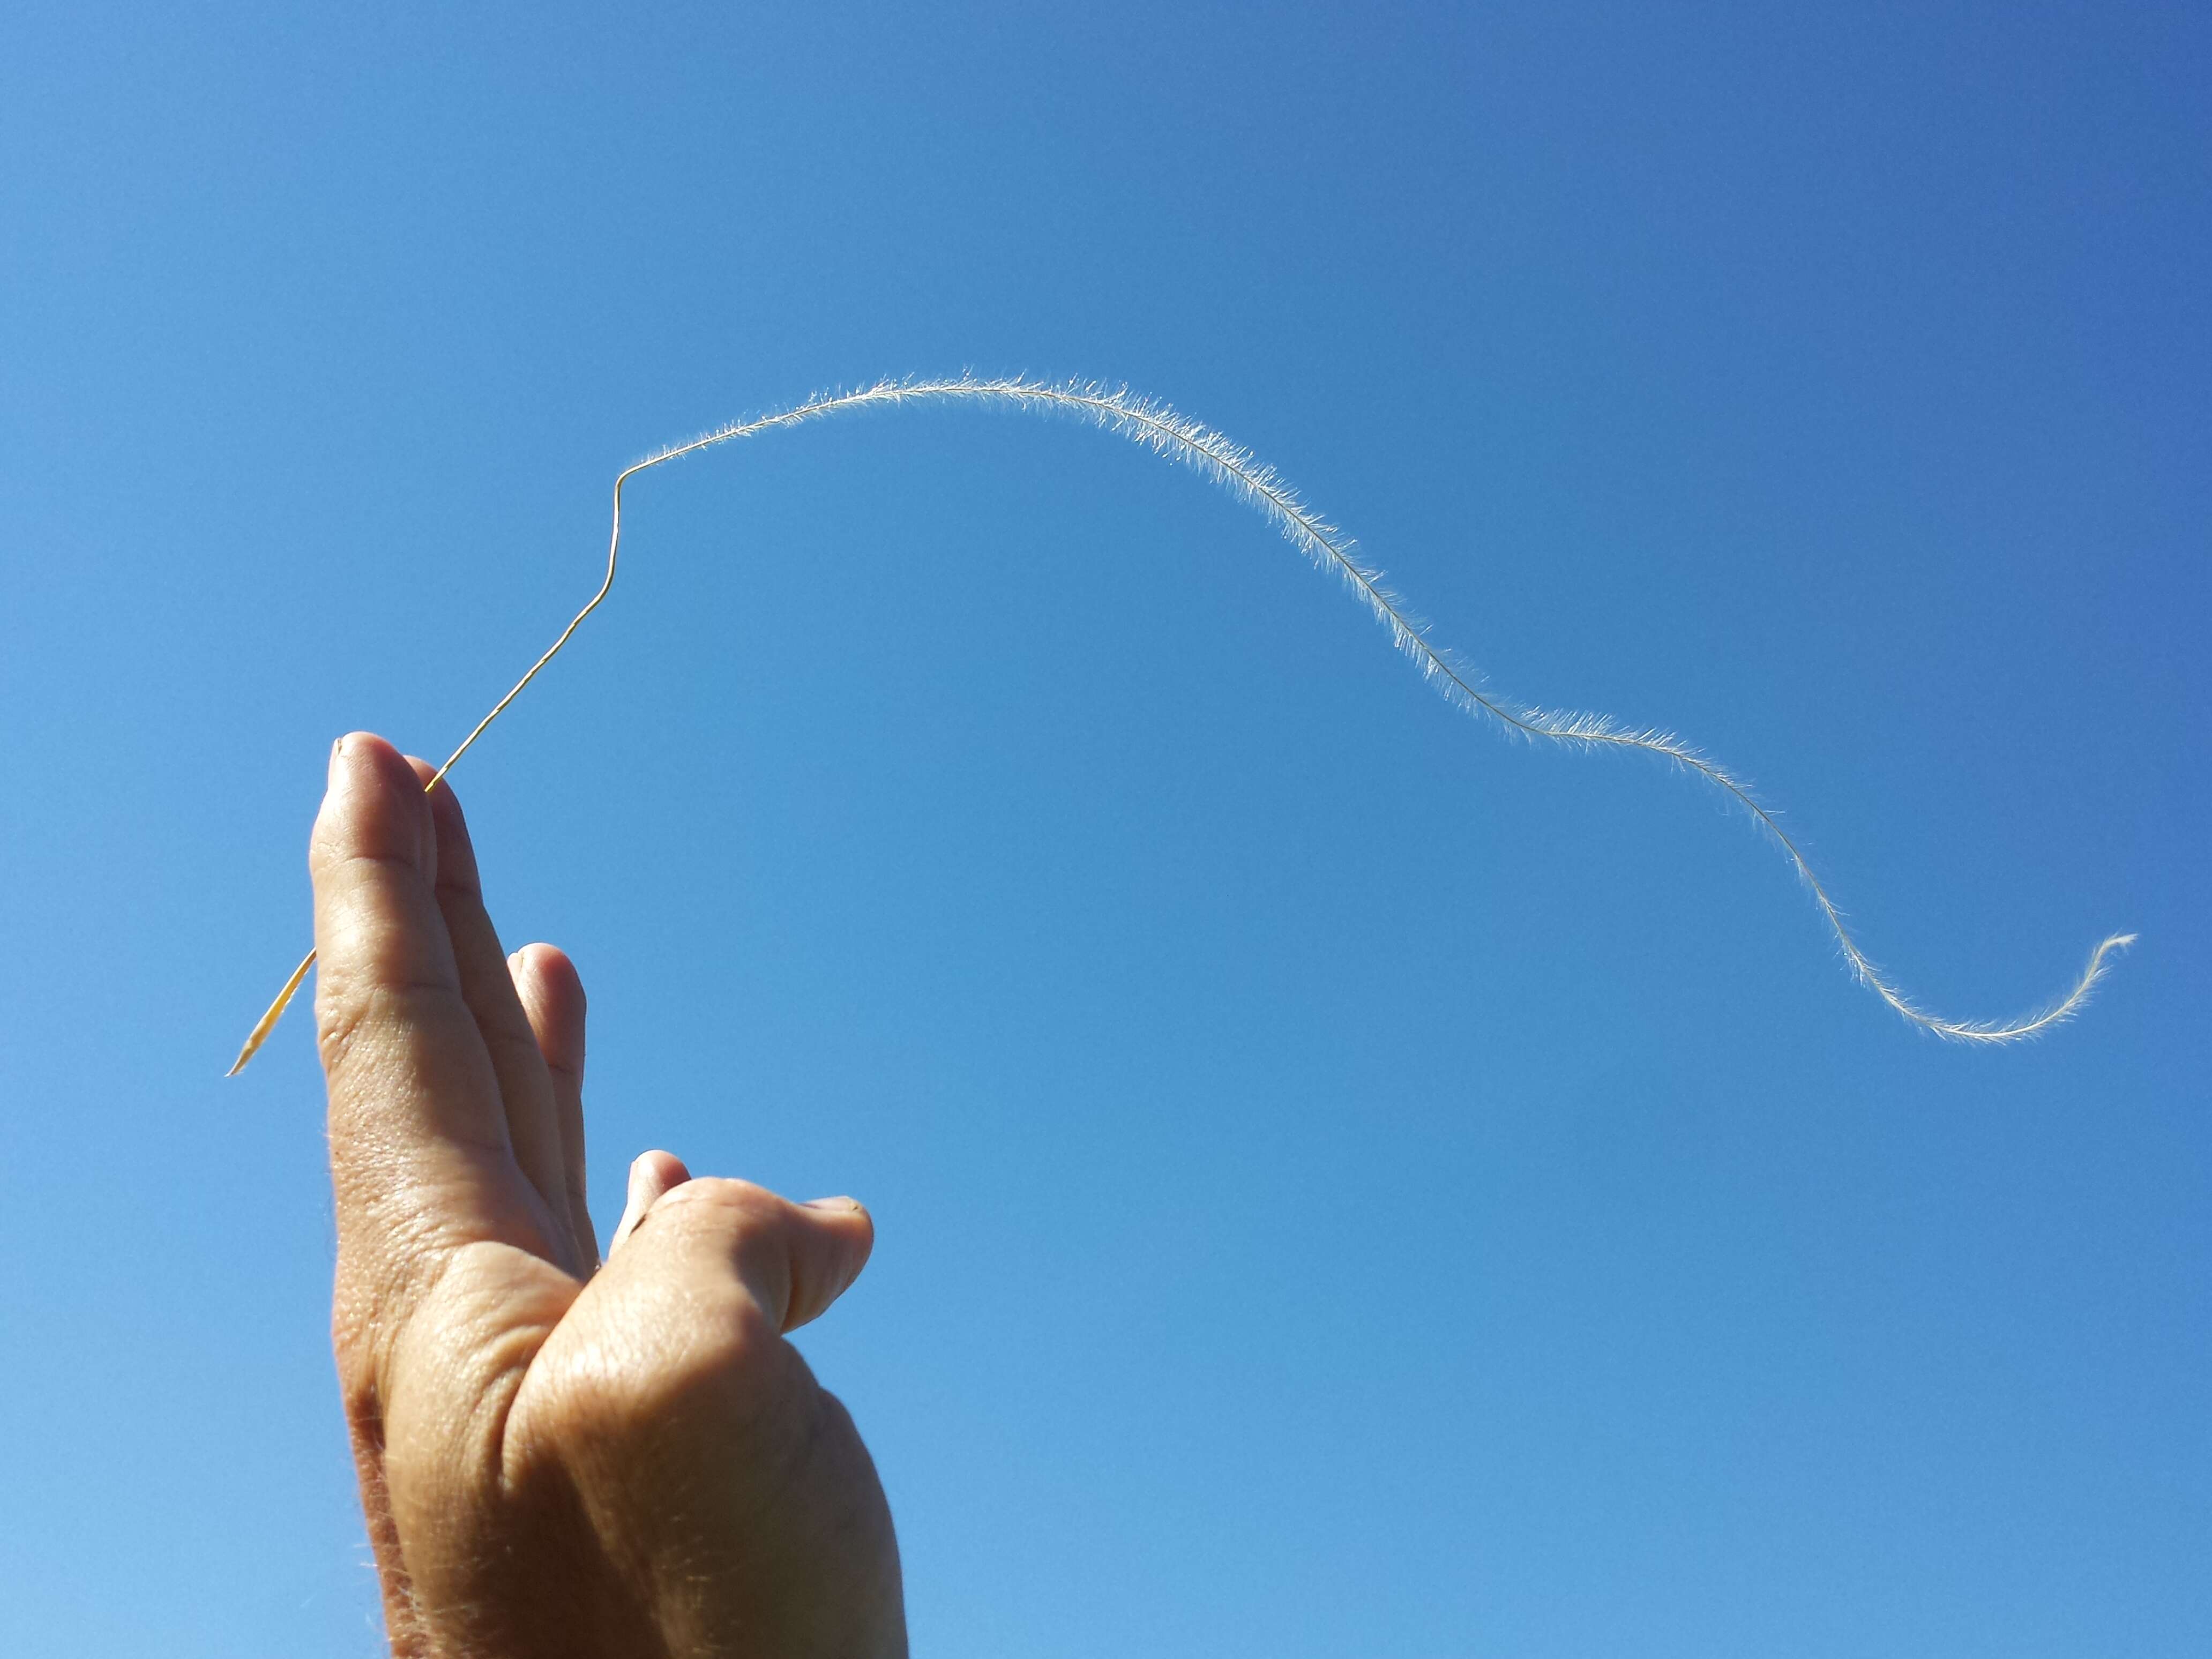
(557, 1457)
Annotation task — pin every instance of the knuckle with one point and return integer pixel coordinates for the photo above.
(725, 1204)
(728, 1367)
(391, 1259)
(357, 1008)
(339, 1019)
(354, 1344)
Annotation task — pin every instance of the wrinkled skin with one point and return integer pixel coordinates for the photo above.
(558, 1457)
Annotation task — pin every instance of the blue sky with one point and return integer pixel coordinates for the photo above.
(1346, 1183)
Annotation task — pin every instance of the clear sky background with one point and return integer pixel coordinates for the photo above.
(1346, 1184)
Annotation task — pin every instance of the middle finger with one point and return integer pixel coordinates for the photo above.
(526, 1090)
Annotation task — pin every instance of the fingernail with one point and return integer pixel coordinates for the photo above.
(847, 1205)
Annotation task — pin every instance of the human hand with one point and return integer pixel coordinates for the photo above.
(558, 1457)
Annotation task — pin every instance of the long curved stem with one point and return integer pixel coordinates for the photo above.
(1160, 428)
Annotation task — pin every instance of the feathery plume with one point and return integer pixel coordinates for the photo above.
(1161, 429)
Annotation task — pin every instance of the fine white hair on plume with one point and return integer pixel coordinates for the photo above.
(1158, 427)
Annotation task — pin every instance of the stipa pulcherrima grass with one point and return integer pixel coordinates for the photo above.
(1251, 481)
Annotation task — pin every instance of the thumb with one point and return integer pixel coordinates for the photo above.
(793, 1259)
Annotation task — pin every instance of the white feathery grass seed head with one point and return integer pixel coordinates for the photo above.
(1176, 437)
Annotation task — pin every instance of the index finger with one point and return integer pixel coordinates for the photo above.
(419, 1144)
